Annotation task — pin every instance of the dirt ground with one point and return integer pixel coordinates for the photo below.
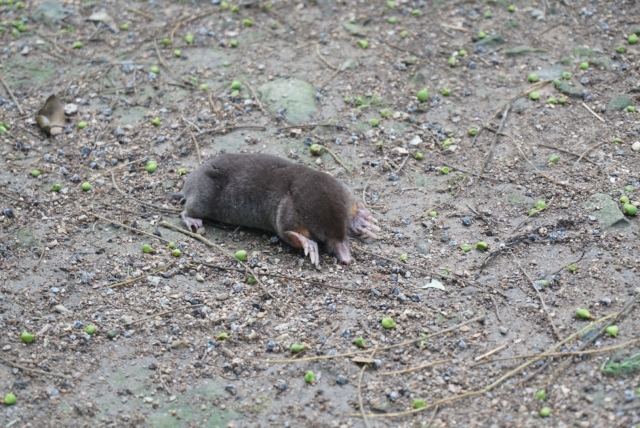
(193, 340)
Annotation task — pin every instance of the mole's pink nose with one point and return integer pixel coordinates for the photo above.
(342, 251)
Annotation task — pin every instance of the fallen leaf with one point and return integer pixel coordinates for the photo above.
(103, 16)
(51, 116)
(434, 284)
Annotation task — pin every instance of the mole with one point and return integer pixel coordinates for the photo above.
(302, 205)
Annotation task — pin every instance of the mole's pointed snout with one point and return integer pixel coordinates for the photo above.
(342, 251)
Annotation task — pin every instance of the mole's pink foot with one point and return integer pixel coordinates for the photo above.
(310, 247)
(192, 222)
(363, 223)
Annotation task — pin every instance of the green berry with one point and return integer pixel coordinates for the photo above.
(363, 44)
(418, 156)
(629, 209)
(554, 158)
(482, 35)
(10, 399)
(296, 348)
(543, 282)
(359, 342)
(151, 167)
(452, 61)
(124, 27)
(86, 186)
(251, 280)
(392, 20)
(155, 121)
(235, 9)
(171, 245)
(379, 144)
(566, 75)
(404, 33)
(177, 53)
(82, 124)
(533, 77)
(226, 63)
(223, 336)
(204, 87)
(532, 211)
(557, 82)
(612, 330)
(166, 41)
(176, 253)
(552, 100)
(445, 92)
(562, 100)
(247, 22)
(541, 394)
(27, 337)
(473, 131)
(583, 313)
(487, 14)
(433, 214)
(631, 109)
(309, 377)
(236, 84)
(386, 113)
(224, 5)
(90, 329)
(446, 143)
(388, 323)
(511, 8)
(616, 140)
(56, 187)
(545, 412)
(3, 129)
(146, 248)
(112, 334)
(154, 69)
(445, 170)
(241, 255)
(415, 12)
(482, 245)
(584, 65)
(419, 403)
(374, 122)
(77, 45)
(391, 4)
(462, 53)
(633, 39)
(182, 171)
(572, 268)
(534, 95)
(35, 172)
(541, 204)
(621, 49)
(465, 247)
(404, 257)
(316, 149)
(233, 43)
(423, 95)
(624, 199)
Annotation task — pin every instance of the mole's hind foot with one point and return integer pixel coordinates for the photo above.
(192, 222)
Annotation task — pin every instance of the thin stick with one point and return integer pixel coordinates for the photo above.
(171, 210)
(566, 151)
(559, 354)
(230, 128)
(402, 164)
(28, 369)
(453, 27)
(544, 306)
(138, 278)
(126, 227)
(255, 96)
(495, 307)
(413, 369)
(364, 190)
(495, 139)
(337, 159)
(323, 59)
(364, 415)
(162, 313)
(540, 172)
(6, 87)
(164, 384)
(195, 141)
(537, 212)
(433, 416)
(35, 267)
(441, 204)
(593, 112)
(589, 150)
(397, 345)
(222, 250)
(100, 174)
(139, 12)
(490, 353)
(166, 65)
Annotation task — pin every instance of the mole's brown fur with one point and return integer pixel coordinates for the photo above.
(267, 192)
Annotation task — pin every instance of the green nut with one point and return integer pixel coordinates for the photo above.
(309, 377)
(631, 109)
(82, 124)
(10, 399)
(124, 27)
(35, 172)
(511, 8)
(27, 337)
(534, 95)
(621, 49)
(423, 95)
(418, 156)
(419, 403)
(86, 186)
(541, 204)
(77, 45)
(533, 77)
(473, 131)
(177, 53)
(388, 323)
(374, 122)
(624, 199)
(176, 253)
(247, 22)
(452, 61)
(566, 75)
(462, 53)
(557, 82)
(445, 170)
(554, 159)
(146, 248)
(171, 245)
(154, 69)
(612, 330)
(482, 35)
(155, 121)
(223, 336)
(465, 247)
(446, 143)
(584, 65)
(404, 257)
(112, 334)
(359, 342)
(90, 329)
(363, 44)
(151, 167)
(204, 87)
(392, 20)
(482, 245)
(630, 210)
(241, 255)
(297, 348)
(251, 280)
(166, 41)
(552, 100)
(572, 268)
(541, 394)
(545, 412)
(316, 149)
(633, 39)
(386, 113)
(445, 92)
(433, 214)
(562, 100)
(56, 187)
(584, 314)
(236, 84)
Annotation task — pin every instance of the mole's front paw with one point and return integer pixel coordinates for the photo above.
(363, 223)
(192, 223)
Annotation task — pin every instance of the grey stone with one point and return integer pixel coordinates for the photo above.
(355, 29)
(349, 64)
(608, 213)
(491, 42)
(295, 96)
(550, 73)
(49, 12)
(619, 103)
(571, 89)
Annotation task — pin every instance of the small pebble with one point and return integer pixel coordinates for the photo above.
(342, 380)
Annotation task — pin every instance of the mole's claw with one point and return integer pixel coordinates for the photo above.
(191, 223)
